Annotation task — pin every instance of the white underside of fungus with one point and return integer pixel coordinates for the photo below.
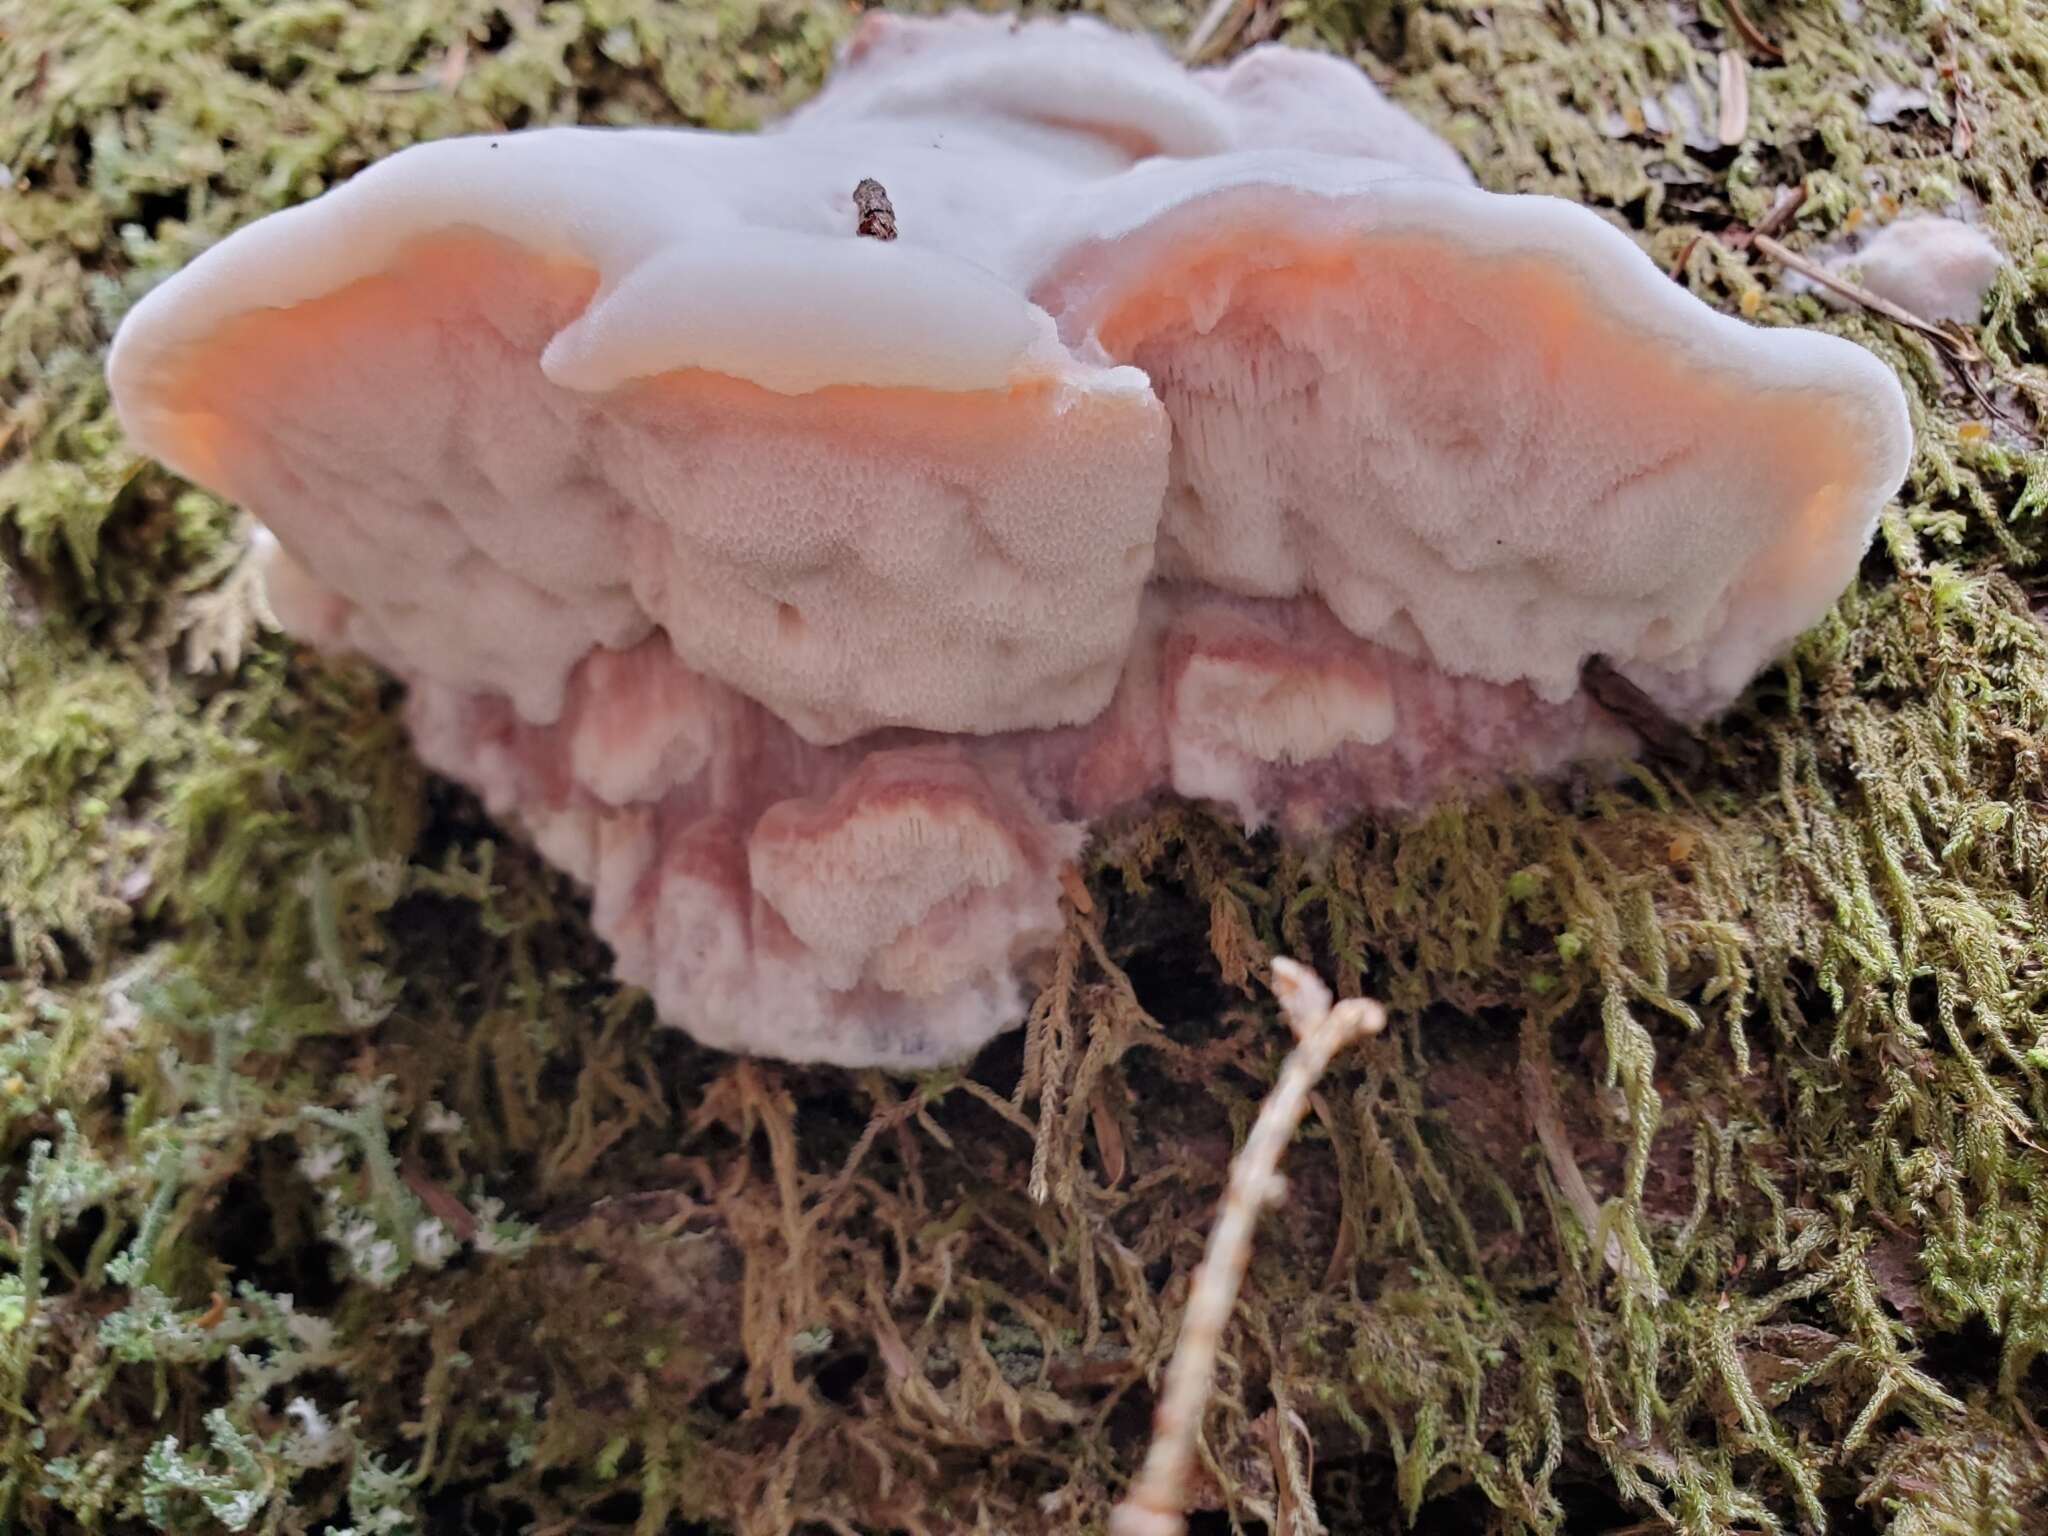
(808, 595)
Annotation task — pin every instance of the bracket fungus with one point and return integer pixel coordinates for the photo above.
(808, 594)
(1938, 268)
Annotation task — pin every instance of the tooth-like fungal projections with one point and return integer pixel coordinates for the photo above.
(808, 593)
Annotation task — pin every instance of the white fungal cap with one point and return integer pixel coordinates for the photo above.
(512, 398)
(1284, 98)
(963, 75)
(1485, 430)
(808, 595)
(1938, 268)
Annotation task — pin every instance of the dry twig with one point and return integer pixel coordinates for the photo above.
(1784, 208)
(438, 1200)
(1539, 1098)
(1677, 272)
(1957, 345)
(1750, 35)
(1322, 1028)
(1216, 28)
(1957, 349)
(1782, 211)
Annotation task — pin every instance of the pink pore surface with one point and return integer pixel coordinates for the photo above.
(674, 633)
(763, 532)
(1304, 486)
(877, 898)
(630, 593)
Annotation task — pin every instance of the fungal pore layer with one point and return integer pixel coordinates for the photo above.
(808, 594)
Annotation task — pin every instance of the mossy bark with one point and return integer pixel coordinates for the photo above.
(1699, 1185)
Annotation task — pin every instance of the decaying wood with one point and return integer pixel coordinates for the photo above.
(1663, 738)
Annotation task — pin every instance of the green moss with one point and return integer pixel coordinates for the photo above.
(1699, 1184)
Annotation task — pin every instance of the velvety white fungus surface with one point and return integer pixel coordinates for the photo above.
(808, 595)
(1938, 268)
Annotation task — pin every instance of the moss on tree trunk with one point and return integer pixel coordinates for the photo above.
(1700, 1184)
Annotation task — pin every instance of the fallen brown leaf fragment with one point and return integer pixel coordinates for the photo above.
(1664, 739)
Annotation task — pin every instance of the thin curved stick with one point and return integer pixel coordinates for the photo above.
(1154, 1504)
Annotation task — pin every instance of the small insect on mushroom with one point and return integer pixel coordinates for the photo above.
(877, 213)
